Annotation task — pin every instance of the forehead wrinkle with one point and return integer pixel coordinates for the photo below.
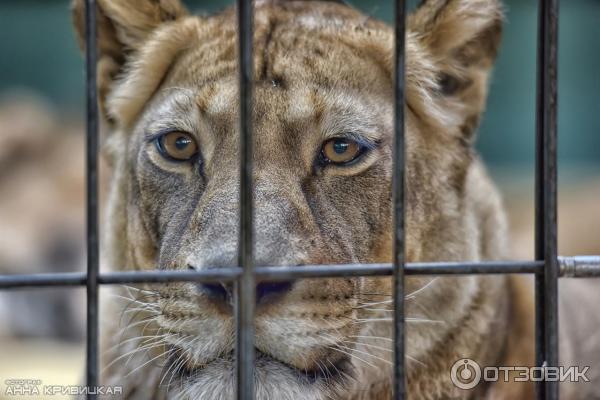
(346, 112)
(176, 110)
(218, 98)
(300, 105)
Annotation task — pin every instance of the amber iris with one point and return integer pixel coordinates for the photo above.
(340, 150)
(178, 146)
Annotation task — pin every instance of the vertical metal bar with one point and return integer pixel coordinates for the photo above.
(91, 198)
(245, 286)
(546, 186)
(398, 188)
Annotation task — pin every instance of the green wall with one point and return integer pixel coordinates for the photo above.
(38, 51)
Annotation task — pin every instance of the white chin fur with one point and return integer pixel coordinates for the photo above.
(272, 381)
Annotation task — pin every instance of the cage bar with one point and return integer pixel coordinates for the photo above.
(245, 286)
(579, 267)
(398, 195)
(546, 282)
(570, 267)
(91, 199)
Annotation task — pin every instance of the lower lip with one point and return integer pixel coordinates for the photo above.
(338, 370)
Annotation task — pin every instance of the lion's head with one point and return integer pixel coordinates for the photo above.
(323, 120)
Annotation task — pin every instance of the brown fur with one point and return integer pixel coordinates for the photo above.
(321, 70)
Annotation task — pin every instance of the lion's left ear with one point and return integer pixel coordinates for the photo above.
(462, 37)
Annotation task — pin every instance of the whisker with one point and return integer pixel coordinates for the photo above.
(146, 348)
(370, 345)
(369, 354)
(147, 291)
(335, 348)
(177, 88)
(136, 301)
(137, 311)
(424, 287)
(149, 361)
(378, 309)
(433, 321)
(366, 320)
(362, 352)
(131, 324)
(415, 360)
(172, 373)
(181, 360)
(376, 303)
(323, 372)
(122, 342)
(373, 337)
(346, 375)
(132, 352)
(382, 348)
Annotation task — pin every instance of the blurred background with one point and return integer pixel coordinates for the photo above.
(42, 164)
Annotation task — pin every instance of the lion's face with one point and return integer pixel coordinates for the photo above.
(323, 121)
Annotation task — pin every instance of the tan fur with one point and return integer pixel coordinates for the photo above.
(321, 70)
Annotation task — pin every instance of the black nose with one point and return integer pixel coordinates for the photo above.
(266, 291)
(223, 292)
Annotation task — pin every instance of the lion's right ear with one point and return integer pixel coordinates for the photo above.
(123, 26)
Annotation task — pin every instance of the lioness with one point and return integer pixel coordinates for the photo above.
(322, 188)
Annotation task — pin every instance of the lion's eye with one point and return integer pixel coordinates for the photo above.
(177, 146)
(340, 150)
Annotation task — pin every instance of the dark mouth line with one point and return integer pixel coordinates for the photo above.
(329, 372)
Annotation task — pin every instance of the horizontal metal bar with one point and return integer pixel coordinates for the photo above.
(269, 273)
(431, 268)
(209, 275)
(578, 267)
(474, 268)
(43, 280)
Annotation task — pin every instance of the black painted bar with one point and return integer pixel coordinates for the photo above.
(245, 286)
(398, 196)
(209, 275)
(546, 283)
(570, 267)
(26, 281)
(591, 264)
(91, 198)
(434, 268)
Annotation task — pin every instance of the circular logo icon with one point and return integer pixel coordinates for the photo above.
(465, 374)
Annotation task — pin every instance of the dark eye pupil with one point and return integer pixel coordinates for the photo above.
(182, 142)
(340, 146)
